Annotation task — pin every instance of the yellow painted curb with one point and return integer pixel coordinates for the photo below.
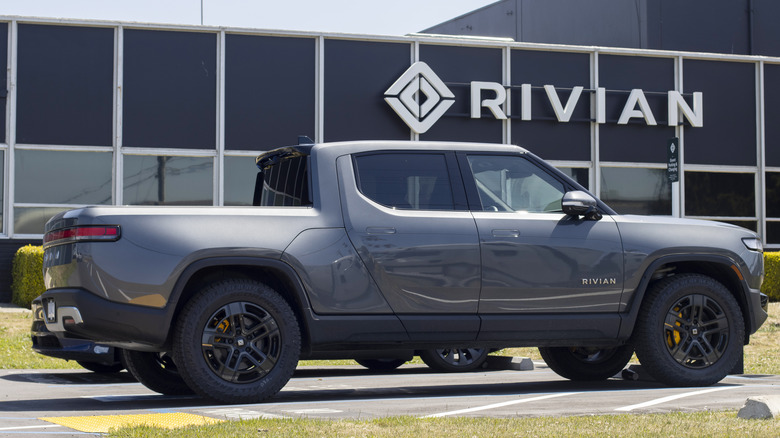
(102, 423)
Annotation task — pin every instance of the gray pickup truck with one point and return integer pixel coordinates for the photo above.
(365, 249)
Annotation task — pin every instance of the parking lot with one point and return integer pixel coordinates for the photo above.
(39, 402)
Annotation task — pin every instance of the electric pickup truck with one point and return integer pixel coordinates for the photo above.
(371, 248)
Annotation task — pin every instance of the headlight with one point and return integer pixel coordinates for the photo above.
(753, 244)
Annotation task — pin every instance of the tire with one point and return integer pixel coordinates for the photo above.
(155, 371)
(237, 341)
(381, 364)
(690, 331)
(101, 368)
(455, 360)
(586, 363)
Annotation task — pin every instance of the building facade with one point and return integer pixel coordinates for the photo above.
(112, 113)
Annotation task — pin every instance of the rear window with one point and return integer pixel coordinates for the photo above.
(285, 183)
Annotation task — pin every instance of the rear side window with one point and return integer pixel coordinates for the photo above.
(405, 181)
(284, 184)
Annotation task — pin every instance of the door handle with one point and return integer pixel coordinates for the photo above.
(380, 230)
(506, 233)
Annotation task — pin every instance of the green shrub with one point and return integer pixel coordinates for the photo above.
(771, 285)
(27, 275)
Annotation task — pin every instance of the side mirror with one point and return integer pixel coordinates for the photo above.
(579, 203)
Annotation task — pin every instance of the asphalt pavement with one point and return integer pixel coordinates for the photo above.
(79, 403)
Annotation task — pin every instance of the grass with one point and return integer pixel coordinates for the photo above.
(16, 346)
(699, 424)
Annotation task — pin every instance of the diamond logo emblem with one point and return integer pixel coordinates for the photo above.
(419, 97)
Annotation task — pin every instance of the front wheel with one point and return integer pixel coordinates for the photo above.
(455, 360)
(237, 341)
(586, 363)
(155, 371)
(690, 331)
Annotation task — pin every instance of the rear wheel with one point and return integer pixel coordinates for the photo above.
(690, 331)
(156, 371)
(237, 341)
(455, 360)
(586, 363)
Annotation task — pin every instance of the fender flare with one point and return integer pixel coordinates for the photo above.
(628, 319)
(288, 275)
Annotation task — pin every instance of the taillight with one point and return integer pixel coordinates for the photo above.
(86, 233)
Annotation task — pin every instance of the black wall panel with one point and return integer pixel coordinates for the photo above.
(3, 79)
(728, 136)
(766, 32)
(269, 91)
(636, 141)
(357, 73)
(772, 109)
(701, 25)
(65, 84)
(457, 67)
(170, 89)
(544, 135)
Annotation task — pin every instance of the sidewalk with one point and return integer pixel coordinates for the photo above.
(12, 308)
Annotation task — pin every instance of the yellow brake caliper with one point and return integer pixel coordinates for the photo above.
(674, 337)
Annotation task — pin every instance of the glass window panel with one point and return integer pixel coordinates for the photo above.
(3, 78)
(507, 183)
(772, 232)
(578, 174)
(30, 220)
(773, 194)
(240, 177)
(168, 180)
(406, 181)
(750, 225)
(636, 190)
(62, 177)
(2, 178)
(720, 194)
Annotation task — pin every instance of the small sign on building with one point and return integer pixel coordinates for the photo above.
(673, 156)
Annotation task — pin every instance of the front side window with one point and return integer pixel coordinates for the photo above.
(512, 183)
(405, 181)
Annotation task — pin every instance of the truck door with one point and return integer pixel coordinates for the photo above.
(537, 262)
(406, 214)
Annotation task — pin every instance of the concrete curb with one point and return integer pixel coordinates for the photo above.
(509, 363)
(12, 308)
(761, 407)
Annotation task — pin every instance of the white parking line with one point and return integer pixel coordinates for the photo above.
(658, 401)
(499, 405)
(30, 427)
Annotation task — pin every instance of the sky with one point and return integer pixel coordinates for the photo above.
(388, 17)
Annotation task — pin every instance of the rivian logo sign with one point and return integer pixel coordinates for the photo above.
(419, 81)
(420, 98)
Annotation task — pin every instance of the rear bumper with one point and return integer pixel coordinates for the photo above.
(81, 313)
